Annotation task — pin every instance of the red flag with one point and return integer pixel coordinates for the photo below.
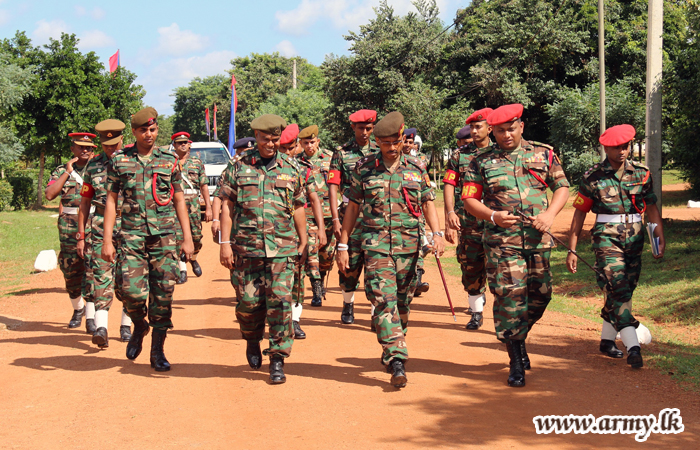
(233, 89)
(114, 62)
(206, 117)
(216, 137)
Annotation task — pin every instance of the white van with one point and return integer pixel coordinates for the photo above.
(215, 156)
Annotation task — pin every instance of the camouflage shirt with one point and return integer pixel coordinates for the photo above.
(312, 183)
(516, 180)
(455, 172)
(148, 208)
(193, 175)
(602, 192)
(321, 162)
(392, 203)
(343, 164)
(95, 185)
(264, 199)
(70, 193)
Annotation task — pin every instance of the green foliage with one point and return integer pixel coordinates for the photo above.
(5, 195)
(15, 85)
(304, 108)
(165, 130)
(193, 99)
(23, 189)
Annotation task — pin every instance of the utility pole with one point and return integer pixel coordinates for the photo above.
(294, 74)
(655, 23)
(601, 68)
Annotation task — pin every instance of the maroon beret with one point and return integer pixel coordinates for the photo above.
(290, 134)
(506, 113)
(363, 116)
(617, 135)
(478, 116)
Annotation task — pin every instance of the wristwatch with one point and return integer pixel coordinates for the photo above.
(80, 236)
(439, 233)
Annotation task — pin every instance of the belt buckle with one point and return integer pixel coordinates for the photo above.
(627, 218)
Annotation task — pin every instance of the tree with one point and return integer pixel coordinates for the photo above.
(15, 84)
(193, 99)
(304, 108)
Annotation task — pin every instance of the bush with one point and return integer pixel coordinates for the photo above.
(5, 195)
(23, 191)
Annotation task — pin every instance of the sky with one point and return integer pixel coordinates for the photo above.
(168, 43)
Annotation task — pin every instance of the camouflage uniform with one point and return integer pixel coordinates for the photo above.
(342, 166)
(265, 243)
(390, 233)
(99, 273)
(193, 176)
(234, 277)
(470, 249)
(147, 270)
(72, 265)
(617, 246)
(517, 258)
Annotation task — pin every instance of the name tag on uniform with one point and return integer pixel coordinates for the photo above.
(411, 176)
(284, 177)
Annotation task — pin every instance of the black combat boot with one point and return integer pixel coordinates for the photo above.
(421, 287)
(158, 360)
(90, 327)
(634, 357)
(253, 354)
(100, 338)
(125, 333)
(476, 321)
(524, 355)
(277, 370)
(196, 268)
(608, 348)
(398, 373)
(183, 277)
(298, 332)
(133, 348)
(77, 318)
(348, 314)
(323, 284)
(516, 377)
(317, 289)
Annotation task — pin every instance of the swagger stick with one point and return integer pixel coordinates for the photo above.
(444, 283)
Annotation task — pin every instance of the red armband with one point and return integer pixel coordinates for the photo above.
(334, 177)
(50, 183)
(472, 190)
(87, 191)
(583, 203)
(450, 177)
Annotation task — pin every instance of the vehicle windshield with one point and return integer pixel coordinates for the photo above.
(211, 155)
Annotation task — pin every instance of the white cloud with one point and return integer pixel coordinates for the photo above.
(94, 39)
(46, 30)
(287, 49)
(80, 10)
(98, 13)
(176, 42)
(4, 17)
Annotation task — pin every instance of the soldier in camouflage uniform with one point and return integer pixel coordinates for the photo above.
(342, 165)
(263, 218)
(66, 181)
(100, 273)
(321, 256)
(393, 190)
(194, 180)
(470, 249)
(289, 142)
(512, 177)
(149, 180)
(619, 192)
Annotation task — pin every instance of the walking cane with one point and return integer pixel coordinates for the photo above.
(444, 283)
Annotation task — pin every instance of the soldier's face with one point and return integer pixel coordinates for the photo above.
(408, 145)
(310, 146)
(268, 144)
(110, 149)
(181, 148)
(362, 131)
(82, 152)
(146, 135)
(618, 155)
(465, 141)
(391, 146)
(480, 131)
(509, 134)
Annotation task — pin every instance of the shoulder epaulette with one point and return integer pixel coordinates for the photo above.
(416, 162)
(591, 171)
(540, 144)
(638, 165)
(365, 160)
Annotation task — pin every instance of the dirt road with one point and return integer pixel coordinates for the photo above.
(60, 391)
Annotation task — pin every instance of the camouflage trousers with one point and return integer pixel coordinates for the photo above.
(266, 294)
(72, 266)
(472, 260)
(390, 281)
(618, 250)
(349, 280)
(145, 277)
(521, 282)
(99, 274)
(195, 215)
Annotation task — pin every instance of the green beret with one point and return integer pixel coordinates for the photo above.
(147, 117)
(390, 125)
(309, 132)
(269, 123)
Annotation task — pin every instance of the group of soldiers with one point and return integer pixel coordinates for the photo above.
(285, 208)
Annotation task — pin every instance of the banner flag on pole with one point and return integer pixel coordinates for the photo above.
(114, 62)
(206, 120)
(232, 123)
(216, 137)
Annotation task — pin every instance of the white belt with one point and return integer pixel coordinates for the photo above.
(74, 211)
(618, 218)
(190, 192)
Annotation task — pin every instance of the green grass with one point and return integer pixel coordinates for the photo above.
(671, 177)
(23, 234)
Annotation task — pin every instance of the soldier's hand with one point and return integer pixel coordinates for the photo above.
(322, 239)
(543, 222)
(188, 249)
(438, 246)
(453, 220)
(571, 262)
(504, 219)
(302, 253)
(662, 248)
(108, 252)
(208, 214)
(69, 165)
(215, 228)
(337, 228)
(81, 248)
(451, 235)
(226, 256)
(343, 260)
